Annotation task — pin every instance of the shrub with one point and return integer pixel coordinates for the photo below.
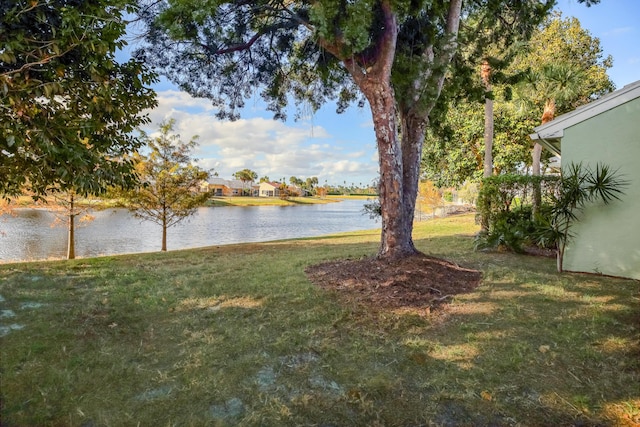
(504, 206)
(499, 194)
(469, 192)
(581, 185)
(511, 229)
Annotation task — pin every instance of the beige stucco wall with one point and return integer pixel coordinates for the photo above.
(608, 236)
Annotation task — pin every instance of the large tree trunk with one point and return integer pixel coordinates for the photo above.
(396, 239)
(399, 160)
(411, 140)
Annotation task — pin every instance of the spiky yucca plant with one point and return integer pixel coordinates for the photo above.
(581, 185)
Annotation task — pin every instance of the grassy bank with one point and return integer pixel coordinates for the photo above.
(276, 201)
(27, 202)
(267, 201)
(237, 335)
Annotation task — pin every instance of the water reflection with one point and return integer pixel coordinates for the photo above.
(29, 234)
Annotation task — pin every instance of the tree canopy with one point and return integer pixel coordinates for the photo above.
(562, 48)
(559, 52)
(68, 109)
(455, 155)
(246, 175)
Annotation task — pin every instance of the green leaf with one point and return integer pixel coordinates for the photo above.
(49, 133)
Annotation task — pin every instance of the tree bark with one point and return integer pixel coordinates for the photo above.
(411, 141)
(547, 115)
(488, 120)
(488, 132)
(164, 233)
(399, 171)
(399, 158)
(398, 189)
(71, 239)
(488, 137)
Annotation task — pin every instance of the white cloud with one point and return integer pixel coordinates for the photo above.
(356, 154)
(350, 171)
(619, 31)
(269, 147)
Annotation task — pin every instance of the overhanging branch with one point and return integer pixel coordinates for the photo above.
(249, 43)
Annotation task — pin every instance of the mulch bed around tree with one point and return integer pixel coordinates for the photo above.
(416, 282)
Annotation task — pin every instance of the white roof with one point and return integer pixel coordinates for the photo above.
(217, 181)
(231, 183)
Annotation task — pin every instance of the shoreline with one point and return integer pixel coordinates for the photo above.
(25, 202)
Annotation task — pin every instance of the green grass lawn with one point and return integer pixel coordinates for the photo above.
(237, 335)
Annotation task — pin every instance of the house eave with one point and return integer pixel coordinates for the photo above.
(555, 128)
(550, 141)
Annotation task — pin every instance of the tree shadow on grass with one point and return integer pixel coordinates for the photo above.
(527, 346)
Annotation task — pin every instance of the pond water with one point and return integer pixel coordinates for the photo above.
(29, 235)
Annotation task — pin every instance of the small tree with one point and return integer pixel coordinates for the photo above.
(580, 186)
(429, 196)
(469, 192)
(321, 192)
(171, 181)
(284, 191)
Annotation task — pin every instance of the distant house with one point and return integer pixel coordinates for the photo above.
(269, 189)
(296, 190)
(605, 131)
(229, 187)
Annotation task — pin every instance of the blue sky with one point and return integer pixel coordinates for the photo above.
(340, 148)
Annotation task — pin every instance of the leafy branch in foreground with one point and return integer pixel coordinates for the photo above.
(68, 109)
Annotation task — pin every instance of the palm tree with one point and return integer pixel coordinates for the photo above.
(485, 74)
(554, 87)
(568, 67)
(245, 175)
